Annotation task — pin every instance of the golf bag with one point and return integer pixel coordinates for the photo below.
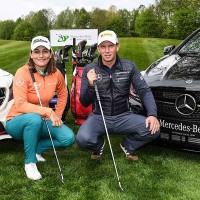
(61, 58)
(80, 59)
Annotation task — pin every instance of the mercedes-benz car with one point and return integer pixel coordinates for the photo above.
(6, 100)
(175, 82)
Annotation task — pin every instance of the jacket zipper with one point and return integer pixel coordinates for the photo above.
(112, 101)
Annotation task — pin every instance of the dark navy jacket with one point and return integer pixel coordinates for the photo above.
(114, 88)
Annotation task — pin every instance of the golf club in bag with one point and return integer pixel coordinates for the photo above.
(80, 59)
(81, 48)
(66, 53)
(108, 138)
(38, 95)
(61, 57)
(74, 57)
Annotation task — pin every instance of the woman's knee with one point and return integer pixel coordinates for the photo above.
(30, 122)
(34, 119)
(68, 139)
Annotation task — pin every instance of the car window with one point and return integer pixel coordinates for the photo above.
(192, 46)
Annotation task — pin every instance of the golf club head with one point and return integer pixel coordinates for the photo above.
(91, 50)
(67, 47)
(81, 48)
(120, 186)
(62, 178)
(66, 53)
(57, 55)
(60, 55)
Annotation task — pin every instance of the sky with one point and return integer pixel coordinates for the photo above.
(13, 9)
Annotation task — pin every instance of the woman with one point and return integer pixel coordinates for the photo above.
(26, 118)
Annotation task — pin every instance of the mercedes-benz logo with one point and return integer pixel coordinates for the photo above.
(19, 82)
(99, 77)
(185, 104)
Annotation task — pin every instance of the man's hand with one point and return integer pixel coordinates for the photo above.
(153, 124)
(91, 76)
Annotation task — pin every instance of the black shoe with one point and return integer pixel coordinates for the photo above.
(130, 156)
(99, 154)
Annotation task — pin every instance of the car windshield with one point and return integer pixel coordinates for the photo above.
(192, 46)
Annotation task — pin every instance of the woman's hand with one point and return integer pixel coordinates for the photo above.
(56, 121)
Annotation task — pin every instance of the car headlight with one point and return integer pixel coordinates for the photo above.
(154, 69)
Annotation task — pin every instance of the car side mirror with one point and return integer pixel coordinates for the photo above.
(168, 49)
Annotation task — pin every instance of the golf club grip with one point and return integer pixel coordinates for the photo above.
(35, 85)
(96, 90)
(74, 45)
(31, 72)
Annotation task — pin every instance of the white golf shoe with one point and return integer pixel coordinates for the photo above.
(32, 171)
(40, 158)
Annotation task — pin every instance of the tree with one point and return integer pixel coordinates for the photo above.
(148, 24)
(42, 21)
(183, 22)
(111, 14)
(81, 18)
(64, 20)
(164, 8)
(133, 15)
(181, 16)
(121, 23)
(24, 31)
(6, 29)
(98, 19)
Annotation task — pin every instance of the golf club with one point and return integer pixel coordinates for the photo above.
(66, 53)
(91, 51)
(74, 57)
(81, 48)
(38, 95)
(98, 98)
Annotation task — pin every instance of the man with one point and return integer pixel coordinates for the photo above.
(114, 76)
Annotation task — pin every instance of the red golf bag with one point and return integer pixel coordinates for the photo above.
(80, 112)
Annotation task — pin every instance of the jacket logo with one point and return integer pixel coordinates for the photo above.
(99, 77)
(19, 82)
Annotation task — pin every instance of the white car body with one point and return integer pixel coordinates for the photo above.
(6, 99)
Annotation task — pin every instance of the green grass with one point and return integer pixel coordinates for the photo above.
(160, 173)
(144, 51)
